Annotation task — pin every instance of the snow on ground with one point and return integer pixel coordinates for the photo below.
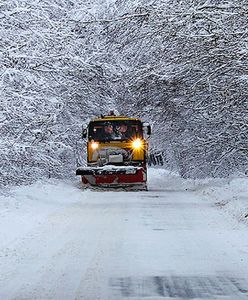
(59, 241)
(23, 207)
(231, 196)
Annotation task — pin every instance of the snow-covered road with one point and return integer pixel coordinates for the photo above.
(60, 242)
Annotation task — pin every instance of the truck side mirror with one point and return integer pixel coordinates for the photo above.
(84, 134)
(149, 130)
(84, 131)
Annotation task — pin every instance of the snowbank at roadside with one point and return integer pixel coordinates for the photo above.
(24, 207)
(231, 196)
(162, 179)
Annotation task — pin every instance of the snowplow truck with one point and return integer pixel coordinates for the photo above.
(116, 152)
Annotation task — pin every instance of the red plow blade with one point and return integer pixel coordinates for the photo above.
(113, 176)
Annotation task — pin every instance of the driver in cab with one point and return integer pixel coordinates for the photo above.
(123, 131)
(109, 131)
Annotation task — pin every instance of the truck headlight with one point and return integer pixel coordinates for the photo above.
(94, 145)
(137, 144)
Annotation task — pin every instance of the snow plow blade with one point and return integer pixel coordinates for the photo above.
(113, 176)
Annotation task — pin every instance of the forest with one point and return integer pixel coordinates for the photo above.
(181, 65)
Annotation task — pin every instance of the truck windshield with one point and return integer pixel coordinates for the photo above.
(116, 130)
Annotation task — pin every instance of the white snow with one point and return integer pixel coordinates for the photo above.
(110, 167)
(59, 241)
(231, 196)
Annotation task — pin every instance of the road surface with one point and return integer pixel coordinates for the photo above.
(60, 242)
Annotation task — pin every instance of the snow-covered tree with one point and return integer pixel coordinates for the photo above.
(181, 65)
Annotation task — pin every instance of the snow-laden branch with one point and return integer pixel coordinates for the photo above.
(113, 20)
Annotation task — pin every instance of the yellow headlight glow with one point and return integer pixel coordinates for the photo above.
(137, 144)
(94, 145)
